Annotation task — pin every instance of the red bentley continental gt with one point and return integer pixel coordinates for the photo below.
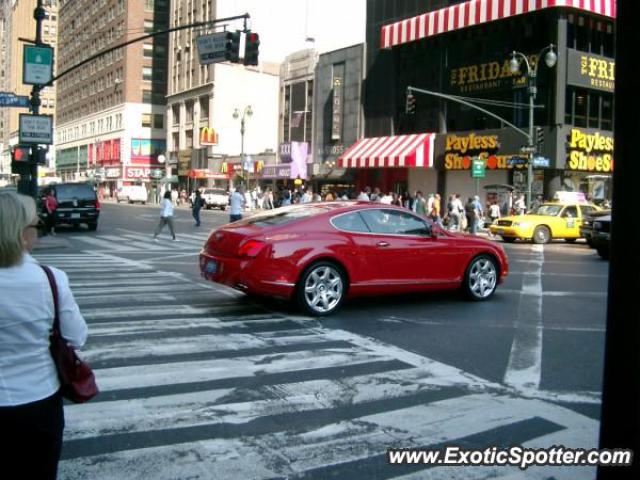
(321, 253)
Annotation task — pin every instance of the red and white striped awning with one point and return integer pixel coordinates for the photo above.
(475, 12)
(414, 150)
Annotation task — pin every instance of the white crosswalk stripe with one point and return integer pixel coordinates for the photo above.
(196, 384)
(136, 242)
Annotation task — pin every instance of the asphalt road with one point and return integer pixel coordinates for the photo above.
(197, 379)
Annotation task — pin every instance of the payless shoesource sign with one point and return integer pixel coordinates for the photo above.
(589, 151)
(461, 149)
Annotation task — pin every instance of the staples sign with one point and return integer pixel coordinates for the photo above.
(138, 172)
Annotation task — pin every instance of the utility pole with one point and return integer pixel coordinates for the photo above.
(28, 184)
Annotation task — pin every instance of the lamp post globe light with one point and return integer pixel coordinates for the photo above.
(550, 58)
(247, 112)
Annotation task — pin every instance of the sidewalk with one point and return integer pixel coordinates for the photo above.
(51, 242)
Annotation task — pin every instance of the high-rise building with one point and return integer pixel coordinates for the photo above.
(17, 22)
(110, 112)
(204, 136)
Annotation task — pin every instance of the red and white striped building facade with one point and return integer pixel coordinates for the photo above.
(425, 50)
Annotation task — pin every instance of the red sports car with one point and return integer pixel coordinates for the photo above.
(321, 253)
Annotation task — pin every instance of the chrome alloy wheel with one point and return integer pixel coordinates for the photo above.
(482, 278)
(323, 289)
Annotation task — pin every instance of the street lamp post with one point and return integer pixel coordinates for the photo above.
(531, 74)
(247, 112)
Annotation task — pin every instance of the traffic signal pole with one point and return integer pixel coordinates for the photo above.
(32, 183)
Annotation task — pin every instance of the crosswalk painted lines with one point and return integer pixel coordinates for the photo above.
(137, 242)
(200, 385)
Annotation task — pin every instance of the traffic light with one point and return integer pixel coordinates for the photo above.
(232, 47)
(410, 106)
(251, 48)
(539, 138)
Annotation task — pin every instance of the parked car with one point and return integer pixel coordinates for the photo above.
(586, 227)
(132, 194)
(215, 198)
(548, 221)
(77, 204)
(601, 236)
(321, 253)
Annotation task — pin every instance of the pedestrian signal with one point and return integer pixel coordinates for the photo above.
(20, 154)
(251, 47)
(232, 47)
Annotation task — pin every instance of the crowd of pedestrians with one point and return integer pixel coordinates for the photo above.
(456, 214)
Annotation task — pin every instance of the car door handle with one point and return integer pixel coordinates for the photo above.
(382, 244)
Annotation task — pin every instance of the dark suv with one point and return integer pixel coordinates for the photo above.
(77, 203)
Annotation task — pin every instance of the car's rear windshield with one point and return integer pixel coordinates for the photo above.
(68, 192)
(284, 215)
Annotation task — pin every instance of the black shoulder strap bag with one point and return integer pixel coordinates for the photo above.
(78, 384)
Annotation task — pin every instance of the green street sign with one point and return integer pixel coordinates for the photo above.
(478, 166)
(37, 65)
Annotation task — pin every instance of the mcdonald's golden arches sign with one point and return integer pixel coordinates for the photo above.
(208, 136)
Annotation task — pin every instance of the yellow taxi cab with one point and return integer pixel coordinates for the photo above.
(548, 221)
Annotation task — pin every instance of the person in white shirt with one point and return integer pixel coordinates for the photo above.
(31, 412)
(166, 217)
(236, 202)
(364, 195)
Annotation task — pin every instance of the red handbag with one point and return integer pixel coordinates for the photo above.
(77, 381)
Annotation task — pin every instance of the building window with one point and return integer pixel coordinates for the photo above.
(148, 26)
(589, 108)
(148, 5)
(146, 96)
(147, 50)
(147, 73)
(158, 121)
(146, 120)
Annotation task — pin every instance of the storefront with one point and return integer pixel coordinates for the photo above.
(386, 162)
(589, 163)
(463, 50)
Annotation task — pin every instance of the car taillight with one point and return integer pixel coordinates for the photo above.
(97, 204)
(251, 248)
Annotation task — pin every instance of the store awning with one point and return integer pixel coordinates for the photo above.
(477, 12)
(398, 151)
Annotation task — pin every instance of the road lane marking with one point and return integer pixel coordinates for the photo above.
(524, 368)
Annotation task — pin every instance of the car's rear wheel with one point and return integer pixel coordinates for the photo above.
(570, 240)
(321, 288)
(93, 226)
(541, 234)
(481, 278)
(508, 239)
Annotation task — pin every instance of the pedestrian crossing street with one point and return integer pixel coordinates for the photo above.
(133, 242)
(199, 383)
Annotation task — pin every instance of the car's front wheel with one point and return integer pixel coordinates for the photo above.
(481, 278)
(603, 251)
(321, 288)
(508, 239)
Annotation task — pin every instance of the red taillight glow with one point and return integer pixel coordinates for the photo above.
(251, 248)
(97, 204)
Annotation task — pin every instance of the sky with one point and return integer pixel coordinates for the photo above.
(284, 25)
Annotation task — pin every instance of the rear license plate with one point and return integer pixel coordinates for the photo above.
(75, 215)
(211, 267)
(500, 231)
